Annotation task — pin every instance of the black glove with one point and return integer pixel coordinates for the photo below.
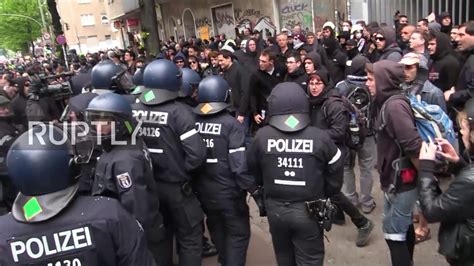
(259, 199)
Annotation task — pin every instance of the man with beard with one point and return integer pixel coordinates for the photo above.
(405, 35)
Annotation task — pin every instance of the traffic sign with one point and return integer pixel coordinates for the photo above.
(60, 39)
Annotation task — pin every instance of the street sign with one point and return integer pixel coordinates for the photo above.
(60, 39)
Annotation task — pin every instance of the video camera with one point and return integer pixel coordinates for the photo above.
(57, 91)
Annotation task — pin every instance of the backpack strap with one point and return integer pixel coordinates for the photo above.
(331, 99)
(383, 125)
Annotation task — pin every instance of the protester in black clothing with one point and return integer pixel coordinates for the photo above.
(444, 66)
(295, 72)
(452, 207)
(261, 84)
(336, 63)
(328, 113)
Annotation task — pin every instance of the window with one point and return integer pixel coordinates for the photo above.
(87, 20)
(104, 19)
(83, 1)
(108, 37)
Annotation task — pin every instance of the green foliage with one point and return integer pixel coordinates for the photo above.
(17, 33)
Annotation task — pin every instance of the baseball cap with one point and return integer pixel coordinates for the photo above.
(410, 59)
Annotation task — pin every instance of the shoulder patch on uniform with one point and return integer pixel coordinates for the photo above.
(124, 180)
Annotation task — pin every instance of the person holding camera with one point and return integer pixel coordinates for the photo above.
(452, 207)
(39, 107)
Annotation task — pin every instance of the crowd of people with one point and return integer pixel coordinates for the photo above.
(287, 121)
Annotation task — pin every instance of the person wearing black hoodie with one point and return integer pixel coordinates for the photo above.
(356, 78)
(397, 138)
(313, 64)
(386, 43)
(295, 72)
(444, 19)
(444, 66)
(328, 113)
(336, 59)
(249, 59)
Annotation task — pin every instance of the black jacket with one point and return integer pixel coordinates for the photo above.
(295, 167)
(333, 118)
(450, 207)
(465, 81)
(260, 85)
(298, 76)
(224, 175)
(170, 135)
(444, 67)
(94, 230)
(80, 80)
(125, 172)
(336, 65)
(238, 80)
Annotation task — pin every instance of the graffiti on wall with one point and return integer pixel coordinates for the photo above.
(223, 18)
(255, 20)
(203, 26)
(299, 12)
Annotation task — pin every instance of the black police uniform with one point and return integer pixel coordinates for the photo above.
(125, 172)
(8, 134)
(222, 183)
(176, 149)
(90, 231)
(294, 163)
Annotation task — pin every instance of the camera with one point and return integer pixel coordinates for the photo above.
(57, 91)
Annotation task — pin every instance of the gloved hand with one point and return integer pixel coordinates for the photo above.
(259, 199)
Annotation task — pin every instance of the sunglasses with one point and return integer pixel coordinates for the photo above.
(380, 39)
(192, 62)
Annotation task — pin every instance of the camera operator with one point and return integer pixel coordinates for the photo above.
(39, 107)
(453, 207)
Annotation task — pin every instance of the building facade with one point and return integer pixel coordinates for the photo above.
(86, 25)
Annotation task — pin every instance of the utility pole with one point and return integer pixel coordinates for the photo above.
(43, 21)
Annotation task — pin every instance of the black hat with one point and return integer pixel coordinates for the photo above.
(469, 109)
(288, 107)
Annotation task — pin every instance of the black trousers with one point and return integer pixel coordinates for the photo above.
(182, 215)
(229, 227)
(346, 206)
(297, 239)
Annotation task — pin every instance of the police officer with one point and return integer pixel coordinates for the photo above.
(188, 92)
(108, 77)
(188, 95)
(51, 225)
(176, 148)
(8, 134)
(74, 114)
(223, 183)
(124, 170)
(295, 163)
(138, 82)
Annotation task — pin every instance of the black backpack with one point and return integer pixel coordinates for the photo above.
(357, 103)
